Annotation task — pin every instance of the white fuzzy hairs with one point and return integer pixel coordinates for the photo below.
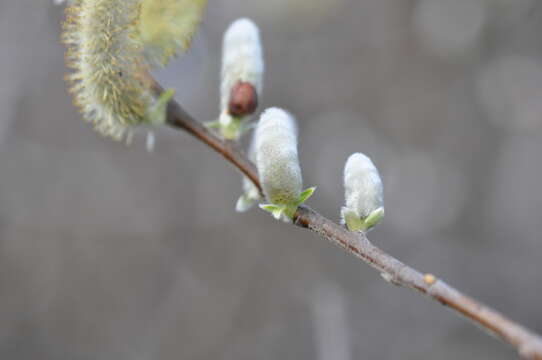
(276, 157)
(363, 193)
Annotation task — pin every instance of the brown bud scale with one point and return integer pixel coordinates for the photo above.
(243, 99)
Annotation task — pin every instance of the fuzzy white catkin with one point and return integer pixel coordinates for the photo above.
(251, 194)
(276, 157)
(242, 58)
(363, 186)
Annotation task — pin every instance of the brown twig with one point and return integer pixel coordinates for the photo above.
(527, 343)
(176, 117)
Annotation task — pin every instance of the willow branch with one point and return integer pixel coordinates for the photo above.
(527, 343)
(177, 118)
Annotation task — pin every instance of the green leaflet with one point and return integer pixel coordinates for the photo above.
(287, 212)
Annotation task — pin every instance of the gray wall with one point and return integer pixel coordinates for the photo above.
(110, 252)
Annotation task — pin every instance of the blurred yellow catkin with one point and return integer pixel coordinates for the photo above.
(111, 44)
(167, 26)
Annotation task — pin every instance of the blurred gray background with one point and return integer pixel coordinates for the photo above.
(111, 252)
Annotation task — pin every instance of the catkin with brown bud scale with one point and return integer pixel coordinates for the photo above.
(242, 76)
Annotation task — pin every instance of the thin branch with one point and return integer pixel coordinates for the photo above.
(176, 117)
(527, 343)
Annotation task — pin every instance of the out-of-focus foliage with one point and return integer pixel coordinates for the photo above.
(167, 27)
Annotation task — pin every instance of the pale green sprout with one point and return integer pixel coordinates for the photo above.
(287, 212)
(230, 127)
(355, 223)
(157, 111)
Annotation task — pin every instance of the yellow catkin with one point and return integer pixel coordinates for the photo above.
(105, 51)
(167, 26)
(111, 46)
